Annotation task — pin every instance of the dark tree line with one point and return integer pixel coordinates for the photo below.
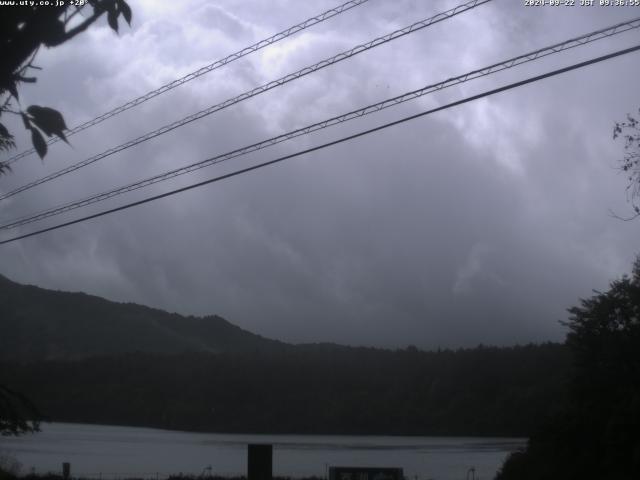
(596, 434)
(17, 413)
(310, 389)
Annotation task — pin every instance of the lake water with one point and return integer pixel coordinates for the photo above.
(113, 452)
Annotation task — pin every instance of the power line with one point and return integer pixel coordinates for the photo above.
(496, 67)
(328, 144)
(256, 91)
(201, 71)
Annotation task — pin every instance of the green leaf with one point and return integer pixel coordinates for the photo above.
(6, 142)
(4, 168)
(112, 18)
(26, 79)
(50, 121)
(11, 86)
(53, 33)
(38, 142)
(26, 121)
(126, 11)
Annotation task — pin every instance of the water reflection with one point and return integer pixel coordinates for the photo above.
(111, 451)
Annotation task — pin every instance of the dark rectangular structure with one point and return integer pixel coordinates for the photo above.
(259, 462)
(66, 470)
(365, 473)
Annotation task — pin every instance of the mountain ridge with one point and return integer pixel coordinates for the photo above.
(41, 324)
(86, 359)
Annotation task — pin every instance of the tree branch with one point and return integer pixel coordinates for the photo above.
(82, 27)
(68, 19)
(618, 217)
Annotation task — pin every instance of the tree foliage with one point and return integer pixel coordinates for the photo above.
(629, 131)
(597, 434)
(23, 31)
(17, 414)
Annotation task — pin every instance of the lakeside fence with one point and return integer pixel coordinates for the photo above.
(60, 475)
(67, 473)
(137, 475)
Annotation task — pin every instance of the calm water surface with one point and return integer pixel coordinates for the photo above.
(112, 452)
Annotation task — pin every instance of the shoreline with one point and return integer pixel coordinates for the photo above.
(279, 434)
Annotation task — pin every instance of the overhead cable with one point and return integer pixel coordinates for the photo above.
(494, 68)
(198, 73)
(256, 91)
(328, 144)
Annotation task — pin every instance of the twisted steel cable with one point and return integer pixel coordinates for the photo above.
(494, 68)
(193, 75)
(256, 91)
(329, 144)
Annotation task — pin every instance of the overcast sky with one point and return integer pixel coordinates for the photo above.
(479, 224)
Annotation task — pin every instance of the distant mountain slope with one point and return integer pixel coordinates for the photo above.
(40, 324)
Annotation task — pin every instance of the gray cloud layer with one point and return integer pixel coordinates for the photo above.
(482, 223)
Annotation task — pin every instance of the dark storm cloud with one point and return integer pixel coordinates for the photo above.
(482, 223)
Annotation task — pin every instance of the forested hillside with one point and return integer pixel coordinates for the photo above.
(40, 324)
(308, 389)
(81, 358)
